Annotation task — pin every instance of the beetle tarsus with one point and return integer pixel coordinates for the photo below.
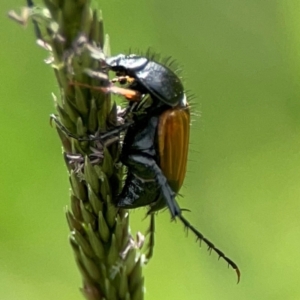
(65, 130)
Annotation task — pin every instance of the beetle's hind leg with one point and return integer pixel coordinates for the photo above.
(210, 245)
(151, 238)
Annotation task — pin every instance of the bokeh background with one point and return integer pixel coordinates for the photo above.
(241, 60)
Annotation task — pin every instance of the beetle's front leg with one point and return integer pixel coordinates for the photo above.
(108, 135)
(117, 130)
(123, 79)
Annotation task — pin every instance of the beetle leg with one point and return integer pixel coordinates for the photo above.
(151, 239)
(166, 192)
(200, 236)
(210, 245)
(116, 130)
(65, 130)
(110, 134)
(167, 198)
(123, 79)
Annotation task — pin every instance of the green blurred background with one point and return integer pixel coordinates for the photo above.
(240, 59)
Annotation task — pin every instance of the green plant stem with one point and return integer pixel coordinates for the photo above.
(108, 258)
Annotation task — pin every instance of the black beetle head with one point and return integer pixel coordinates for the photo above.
(129, 64)
(150, 76)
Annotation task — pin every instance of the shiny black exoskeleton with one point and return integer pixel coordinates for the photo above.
(155, 145)
(145, 182)
(150, 77)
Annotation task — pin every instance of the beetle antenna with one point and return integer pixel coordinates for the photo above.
(210, 245)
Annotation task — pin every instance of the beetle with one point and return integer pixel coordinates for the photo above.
(155, 146)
